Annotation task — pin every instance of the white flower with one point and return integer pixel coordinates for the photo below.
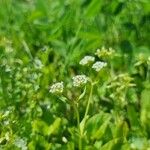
(38, 63)
(99, 65)
(79, 80)
(86, 60)
(57, 88)
(64, 139)
(21, 143)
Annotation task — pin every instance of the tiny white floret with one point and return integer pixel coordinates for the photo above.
(87, 60)
(64, 139)
(57, 88)
(99, 65)
(79, 80)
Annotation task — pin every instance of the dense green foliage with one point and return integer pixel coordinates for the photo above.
(43, 41)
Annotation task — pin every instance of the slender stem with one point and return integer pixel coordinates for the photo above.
(148, 73)
(89, 101)
(87, 109)
(78, 124)
(78, 119)
(112, 70)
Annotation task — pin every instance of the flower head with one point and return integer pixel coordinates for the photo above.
(103, 52)
(79, 80)
(99, 65)
(57, 88)
(141, 59)
(86, 60)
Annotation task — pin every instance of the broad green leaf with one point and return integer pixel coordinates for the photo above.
(39, 143)
(133, 116)
(40, 126)
(101, 130)
(96, 126)
(54, 127)
(120, 130)
(145, 109)
(114, 144)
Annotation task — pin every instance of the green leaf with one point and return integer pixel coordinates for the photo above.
(82, 95)
(114, 144)
(120, 130)
(54, 127)
(93, 8)
(39, 143)
(40, 126)
(101, 130)
(97, 125)
(145, 107)
(133, 117)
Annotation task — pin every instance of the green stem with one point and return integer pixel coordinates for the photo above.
(87, 110)
(89, 101)
(78, 124)
(112, 70)
(72, 103)
(148, 74)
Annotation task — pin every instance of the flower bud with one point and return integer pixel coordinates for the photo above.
(103, 52)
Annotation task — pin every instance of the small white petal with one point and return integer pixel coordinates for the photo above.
(64, 139)
(57, 88)
(79, 80)
(86, 60)
(99, 65)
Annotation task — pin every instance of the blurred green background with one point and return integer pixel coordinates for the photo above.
(73, 27)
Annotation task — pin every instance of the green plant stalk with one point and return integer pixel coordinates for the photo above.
(112, 70)
(148, 74)
(72, 103)
(78, 119)
(89, 101)
(78, 124)
(87, 110)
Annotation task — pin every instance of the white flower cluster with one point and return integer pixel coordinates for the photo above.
(57, 88)
(21, 143)
(79, 80)
(99, 65)
(87, 60)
